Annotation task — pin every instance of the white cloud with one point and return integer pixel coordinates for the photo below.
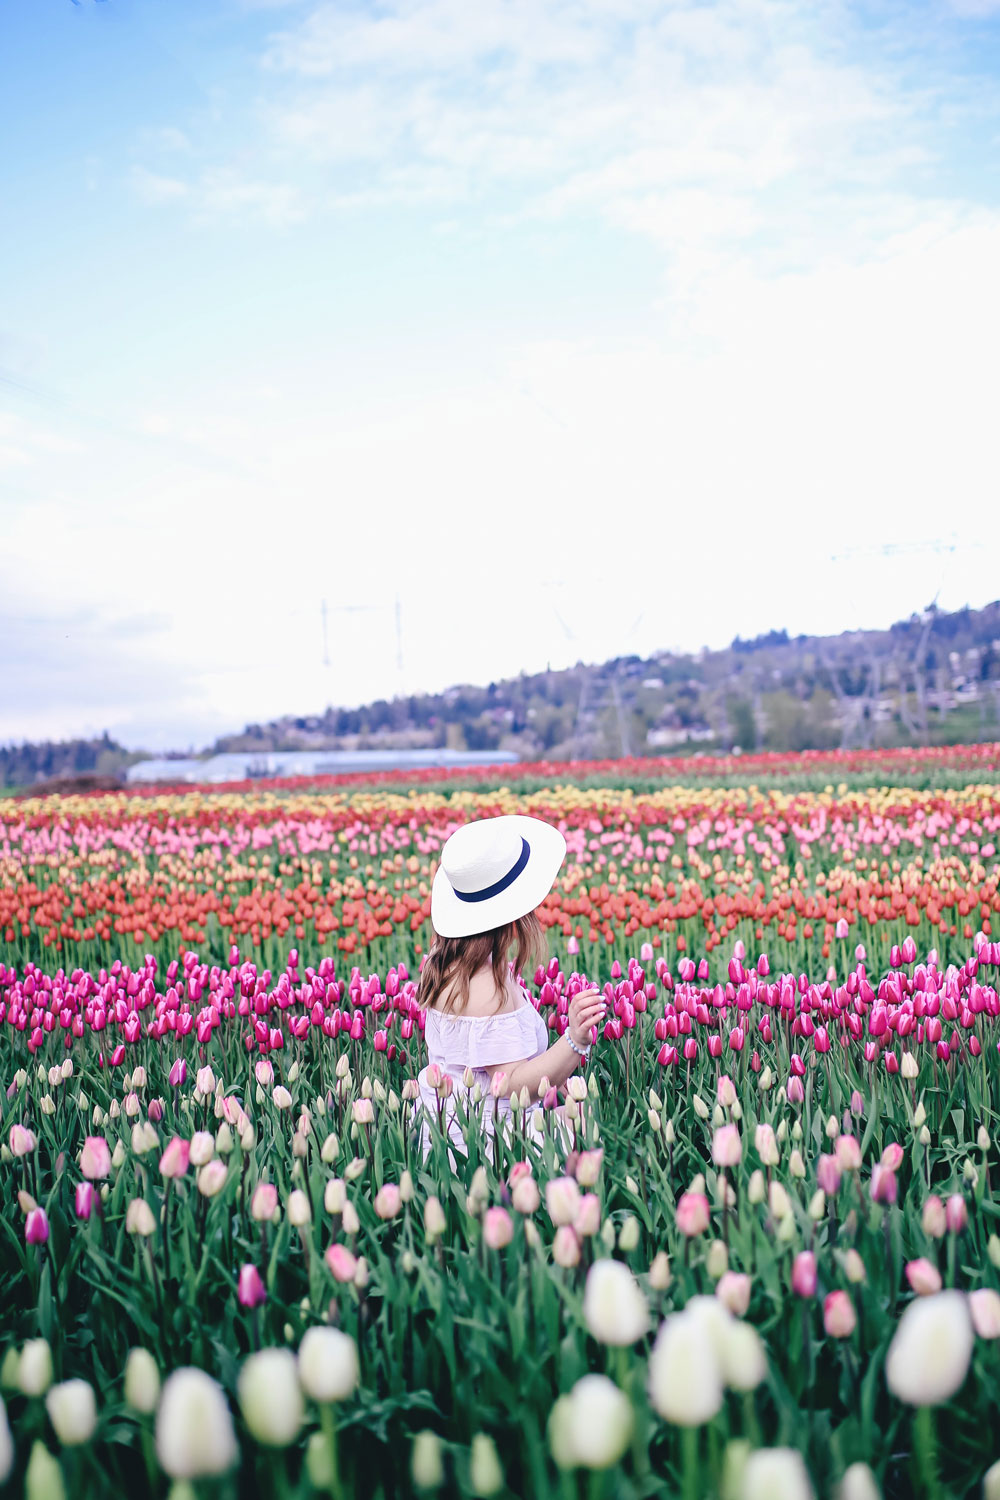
(151, 187)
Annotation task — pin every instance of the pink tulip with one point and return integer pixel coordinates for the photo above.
(733, 1291)
(934, 1220)
(795, 1090)
(727, 1148)
(250, 1288)
(525, 1195)
(848, 1153)
(892, 1157)
(646, 953)
(924, 1278)
(884, 1187)
(828, 1174)
(21, 1140)
(562, 1199)
(984, 1307)
(692, 1214)
(86, 1199)
(95, 1158)
(588, 1216)
(264, 1073)
(342, 1263)
(264, 1203)
(725, 1091)
(804, 1274)
(178, 1073)
(956, 1214)
(36, 1227)
(498, 1228)
(174, 1161)
(839, 1317)
(388, 1201)
(566, 1247)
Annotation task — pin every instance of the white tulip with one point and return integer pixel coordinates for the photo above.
(744, 1363)
(485, 1471)
(194, 1426)
(859, 1483)
(142, 1381)
(776, 1474)
(991, 1482)
(592, 1426)
(6, 1444)
(614, 1308)
(426, 1465)
(685, 1382)
(34, 1370)
(72, 1411)
(928, 1358)
(328, 1364)
(271, 1397)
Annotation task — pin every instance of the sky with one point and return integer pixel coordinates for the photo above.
(517, 331)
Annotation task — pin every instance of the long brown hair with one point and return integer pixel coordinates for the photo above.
(452, 962)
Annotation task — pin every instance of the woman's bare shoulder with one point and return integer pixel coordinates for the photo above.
(483, 998)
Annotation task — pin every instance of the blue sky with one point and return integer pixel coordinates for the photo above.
(580, 326)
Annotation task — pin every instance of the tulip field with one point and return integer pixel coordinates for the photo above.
(751, 1250)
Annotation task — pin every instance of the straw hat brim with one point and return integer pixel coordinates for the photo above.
(453, 917)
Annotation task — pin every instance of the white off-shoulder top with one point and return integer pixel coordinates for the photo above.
(457, 1043)
(478, 1042)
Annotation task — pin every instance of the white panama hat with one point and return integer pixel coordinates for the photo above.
(492, 872)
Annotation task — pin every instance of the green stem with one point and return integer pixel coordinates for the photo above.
(329, 1425)
(926, 1480)
(689, 1452)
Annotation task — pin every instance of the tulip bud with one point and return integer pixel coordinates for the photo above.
(859, 1483)
(328, 1364)
(485, 1473)
(43, 1479)
(72, 1411)
(194, 1427)
(756, 1187)
(34, 1369)
(426, 1463)
(142, 1381)
(717, 1260)
(139, 1218)
(659, 1275)
(628, 1234)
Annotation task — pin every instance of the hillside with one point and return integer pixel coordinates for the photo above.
(934, 678)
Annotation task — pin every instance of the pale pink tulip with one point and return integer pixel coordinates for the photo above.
(956, 1214)
(95, 1158)
(174, 1161)
(562, 1199)
(839, 1317)
(804, 1274)
(388, 1201)
(264, 1203)
(498, 1228)
(933, 1218)
(692, 1213)
(733, 1291)
(341, 1262)
(924, 1278)
(566, 1247)
(727, 1148)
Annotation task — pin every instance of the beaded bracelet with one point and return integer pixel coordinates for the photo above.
(583, 1052)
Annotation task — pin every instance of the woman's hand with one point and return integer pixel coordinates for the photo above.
(586, 1010)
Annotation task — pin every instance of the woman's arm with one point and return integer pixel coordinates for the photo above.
(586, 1010)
